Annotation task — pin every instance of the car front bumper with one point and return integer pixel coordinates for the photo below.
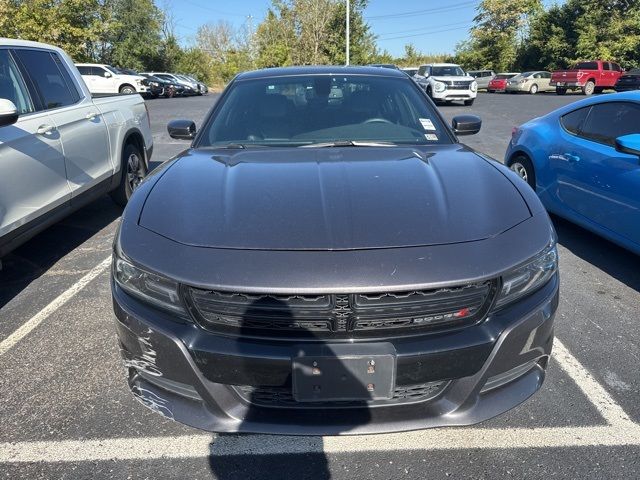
(448, 95)
(187, 374)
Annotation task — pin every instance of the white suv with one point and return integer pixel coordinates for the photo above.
(102, 78)
(445, 82)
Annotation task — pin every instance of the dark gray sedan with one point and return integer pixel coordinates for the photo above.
(326, 258)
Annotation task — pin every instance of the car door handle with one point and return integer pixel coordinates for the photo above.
(45, 129)
(571, 157)
(91, 116)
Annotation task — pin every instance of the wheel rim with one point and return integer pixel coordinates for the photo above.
(520, 170)
(534, 89)
(589, 88)
(127, 90)
(134, 172)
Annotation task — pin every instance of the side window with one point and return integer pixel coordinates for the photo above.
(50, 77)
(616, 67)
(12, 86)
(99, 71)
(606, 66)
(84, 70)
(611, 120)
(546, 75)
(573, 121)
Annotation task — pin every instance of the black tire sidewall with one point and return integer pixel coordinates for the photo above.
(123, 192)
(528, 165)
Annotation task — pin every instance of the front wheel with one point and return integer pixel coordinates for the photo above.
(133, 172)
(468, 103)
(534, 89)
(127, 90)
(524, 168)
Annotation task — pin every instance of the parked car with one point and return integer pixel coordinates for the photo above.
(411, 71)
(193, 84)
(101, 78)
(59, 147)
(582, 160)
(202, 88)
(483, 77)
(530, 82)
(629, 81)
(588, 77)
(446, 82)
(499, 82)
(155, 88)
(384, 65)
(316, 267)
(169, 89)
(188, 88)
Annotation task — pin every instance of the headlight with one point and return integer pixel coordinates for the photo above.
(527, 278)
(148, 287)
(154, 84)
(139, 82)
(474, 86)
(439, 87)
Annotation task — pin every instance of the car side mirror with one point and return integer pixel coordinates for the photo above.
(629, 144)
(106, 75)
(182, 129)
(466, 124)
(8, 112)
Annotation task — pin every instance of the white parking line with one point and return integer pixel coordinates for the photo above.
(198, 446)
(605, 404)
(42, 315)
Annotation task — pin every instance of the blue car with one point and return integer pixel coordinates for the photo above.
(583, 161)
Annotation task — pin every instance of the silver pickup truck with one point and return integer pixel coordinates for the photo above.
(59, 147)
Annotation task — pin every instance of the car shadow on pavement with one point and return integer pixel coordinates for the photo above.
(280, 398)
(32, 259)
(617, 262)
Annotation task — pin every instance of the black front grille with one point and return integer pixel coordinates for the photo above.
(282, 397)
(340, 315)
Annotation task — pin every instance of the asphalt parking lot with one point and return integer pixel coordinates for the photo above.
(66, 412)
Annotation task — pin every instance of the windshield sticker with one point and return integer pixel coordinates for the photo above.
(431, 136)
(427, 124)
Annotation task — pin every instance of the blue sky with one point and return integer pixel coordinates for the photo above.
(432, 26)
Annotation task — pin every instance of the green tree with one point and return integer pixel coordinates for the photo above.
(500, 27)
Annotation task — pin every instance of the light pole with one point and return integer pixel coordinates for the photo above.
(348, 11)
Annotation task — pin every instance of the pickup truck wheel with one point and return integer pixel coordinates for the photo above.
(133, 172)
(589, 88)
(561, 91)
(524, 168)
(127, 90)
(534, 89)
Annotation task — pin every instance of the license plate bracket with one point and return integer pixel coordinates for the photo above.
(344, 372)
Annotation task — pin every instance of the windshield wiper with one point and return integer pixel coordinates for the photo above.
(349, 143)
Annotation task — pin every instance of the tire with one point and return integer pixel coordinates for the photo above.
(599, 90)
(534, 89)
(133, 171)
(127, 90)
(468, 103)
(524, 169)
(589, 88)
(561, 91)
(429, 94)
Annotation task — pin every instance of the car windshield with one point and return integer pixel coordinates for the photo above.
(505, 76)
(112, 69)
(322, 109)
(447, 71)
(634, 71)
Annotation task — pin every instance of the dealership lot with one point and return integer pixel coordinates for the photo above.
(66, 412)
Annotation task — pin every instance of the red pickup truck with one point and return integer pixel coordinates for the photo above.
(590, 77)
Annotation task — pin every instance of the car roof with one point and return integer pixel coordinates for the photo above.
(439, 65)
(321, 70)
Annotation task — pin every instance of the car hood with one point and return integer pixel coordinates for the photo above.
(454, 79)
(331, 198)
